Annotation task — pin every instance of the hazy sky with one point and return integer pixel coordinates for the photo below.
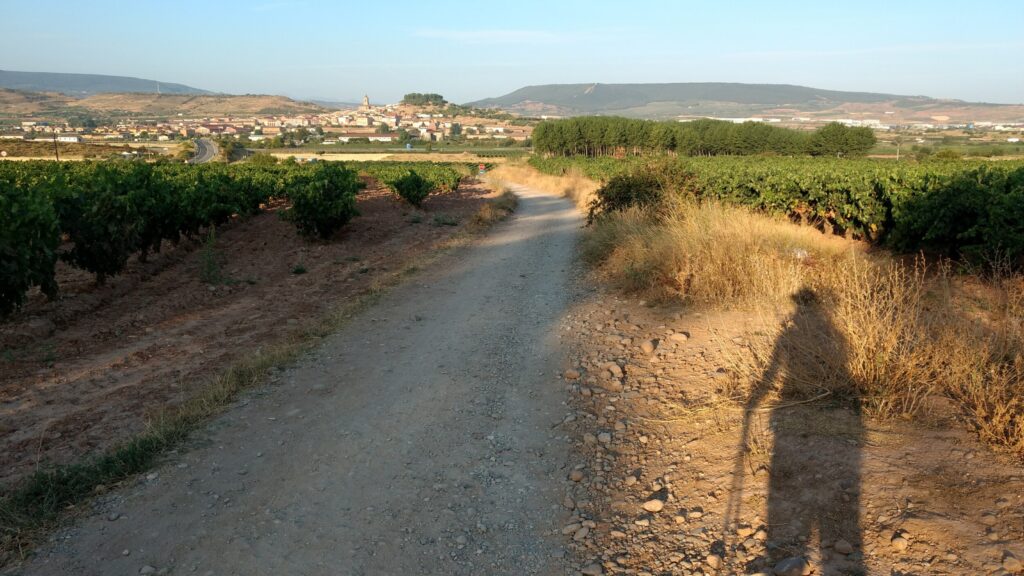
(468, 50)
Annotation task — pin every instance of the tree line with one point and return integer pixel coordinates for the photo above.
(419, 99)
(615, 136)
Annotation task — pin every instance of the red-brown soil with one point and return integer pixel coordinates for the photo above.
(82, 373)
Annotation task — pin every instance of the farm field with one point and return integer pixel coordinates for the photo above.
(42, 150)
(85, 372)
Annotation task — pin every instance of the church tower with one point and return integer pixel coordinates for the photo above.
(366, 103)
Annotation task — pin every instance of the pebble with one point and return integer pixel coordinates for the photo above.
(147, 569)
(653, 505)
(604, 438)
(793, 566)
(679, 337)
(113, 516)
(614, 368)
(899, 543)
(1011, 563)
(576, 475)
(581, 534)
(648, 347)
(594, 569)
(714, 561)
(843, 547)
(572, 374)
(744, 530)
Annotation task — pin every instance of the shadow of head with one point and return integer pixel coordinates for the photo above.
(805, 296)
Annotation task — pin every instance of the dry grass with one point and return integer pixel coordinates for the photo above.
(495, 210)
(575, 186)
(853, 324)
(709, 254)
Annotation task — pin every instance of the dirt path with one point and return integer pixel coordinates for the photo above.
(421, 439)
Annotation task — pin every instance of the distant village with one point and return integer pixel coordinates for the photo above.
(367, 123)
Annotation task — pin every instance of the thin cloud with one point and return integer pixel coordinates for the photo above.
(490, 36)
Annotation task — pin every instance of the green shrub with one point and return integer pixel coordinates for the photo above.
(323, 199)
(976, 213)
(29, 237)
(97, 214)
(413, 188)
(624, 191)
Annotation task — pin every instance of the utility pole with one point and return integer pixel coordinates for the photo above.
(56, 152)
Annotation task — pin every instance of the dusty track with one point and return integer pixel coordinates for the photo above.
(421, 439)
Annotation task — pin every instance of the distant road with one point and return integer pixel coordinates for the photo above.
(206, 150)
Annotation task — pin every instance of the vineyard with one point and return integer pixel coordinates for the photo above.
(95, 216)
(968, 209)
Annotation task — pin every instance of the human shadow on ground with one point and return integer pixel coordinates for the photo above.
(814, 465)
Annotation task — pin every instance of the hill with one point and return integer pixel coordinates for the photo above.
(22, 103)
(725, 99)
(19, 103)
(85, 84)
(201, 105)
